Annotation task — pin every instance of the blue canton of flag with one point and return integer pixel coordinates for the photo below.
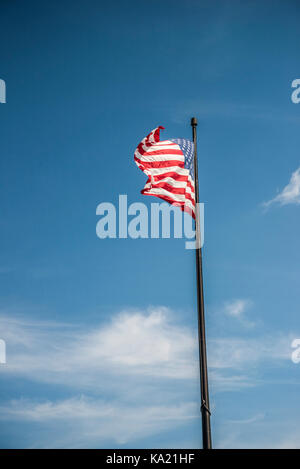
(187, 148)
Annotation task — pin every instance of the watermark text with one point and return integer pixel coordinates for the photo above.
(136, 221)
(295, 97)
(2, 91)
(2, 352)
(296, 353)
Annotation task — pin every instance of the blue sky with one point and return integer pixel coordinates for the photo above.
(101, 334)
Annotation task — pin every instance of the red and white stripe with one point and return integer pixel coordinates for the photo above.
(168, 179)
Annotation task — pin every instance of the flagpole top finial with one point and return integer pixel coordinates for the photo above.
(194, 121)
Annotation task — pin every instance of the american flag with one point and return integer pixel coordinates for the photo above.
(169, 165)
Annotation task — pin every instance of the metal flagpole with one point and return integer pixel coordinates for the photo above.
(206, 430)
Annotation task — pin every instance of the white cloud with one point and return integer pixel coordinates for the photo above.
(290, 194)
(239, 354)
(150, 345)
(237, 309)
(86, 422)
(146, 344)
(138, 373)
(130, 343)
(124, 367)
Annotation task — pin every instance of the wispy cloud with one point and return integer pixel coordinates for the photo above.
(290, 194)
(260, 431)
(143, 343)
(237, 309)
(137, 373)
(88, 422)
(129, 369)
(241, 354)
(149, 344)
(247, 421)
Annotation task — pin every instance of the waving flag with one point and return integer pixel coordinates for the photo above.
(169, 165)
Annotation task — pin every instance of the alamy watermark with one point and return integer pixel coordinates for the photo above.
(2, 352)
(295, 97)
(295, 356)
(136, 221)
(2, 91)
